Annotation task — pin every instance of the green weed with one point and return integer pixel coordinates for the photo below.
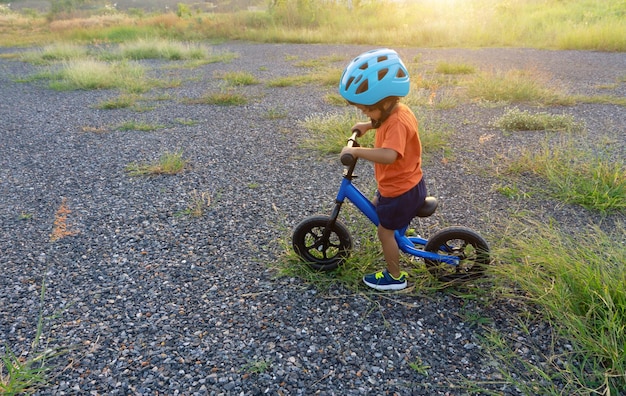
(419, 367)
(19, 374)
(514, 86)
(161, 49)
(275, 114)
(330, 132)
(454, 68)
(198, 203)
(186, 121)
(576, 176)
(139, 126)
(170, 163)
(92, 74)
(119, 102)
(518, 120)
(239, 78)
(257, 366)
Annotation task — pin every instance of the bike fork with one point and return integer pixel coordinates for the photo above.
(333, 219)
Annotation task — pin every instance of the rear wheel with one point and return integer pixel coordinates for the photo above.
(465, 244)
(321, 248)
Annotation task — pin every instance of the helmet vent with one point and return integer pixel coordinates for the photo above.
(400, 73)
(382, 73)
(349, 82)
(362, 88)
(382, 58)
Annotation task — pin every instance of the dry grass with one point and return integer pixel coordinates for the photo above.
(61, 228)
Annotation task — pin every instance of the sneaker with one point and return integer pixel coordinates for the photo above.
(383, 280)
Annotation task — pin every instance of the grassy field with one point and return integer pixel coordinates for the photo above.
(554, 24)
(575, 281)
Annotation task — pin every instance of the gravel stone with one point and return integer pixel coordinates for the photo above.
(144, 300)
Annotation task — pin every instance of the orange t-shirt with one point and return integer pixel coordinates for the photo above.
(399, 133)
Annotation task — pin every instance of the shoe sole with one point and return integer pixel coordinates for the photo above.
(398, 286)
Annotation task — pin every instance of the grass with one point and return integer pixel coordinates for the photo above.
(198, 203)
(576, 176)
(518, 120)
(155, 48)
(419, 367)
(329, 132)
(91, 74)
(275, 113)
(257, 366)
(78, 67)
(119, 102)
(576, 281)
(170, 163)
(239, 78)
(327, 76)
(139, 126)
(56, 52)
(26, 373)
(223, 98)
(454, 68)
(513, 86)
(553, 24)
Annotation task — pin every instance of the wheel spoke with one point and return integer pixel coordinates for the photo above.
(466, 246)
(320, 246)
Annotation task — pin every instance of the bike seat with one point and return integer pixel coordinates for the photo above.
(428, 207)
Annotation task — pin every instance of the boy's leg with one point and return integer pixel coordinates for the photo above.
(390, 250)
(392, 278)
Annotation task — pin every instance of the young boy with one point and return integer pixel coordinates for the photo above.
(374, 82)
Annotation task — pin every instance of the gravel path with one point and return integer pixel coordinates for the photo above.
(148, 301)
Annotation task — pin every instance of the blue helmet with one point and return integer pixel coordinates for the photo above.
(373, 76)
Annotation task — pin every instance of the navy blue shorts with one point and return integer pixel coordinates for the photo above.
(397, 212)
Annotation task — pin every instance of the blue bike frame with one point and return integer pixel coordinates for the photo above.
(352, 193)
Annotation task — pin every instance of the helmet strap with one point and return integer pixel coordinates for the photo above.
(384, 114)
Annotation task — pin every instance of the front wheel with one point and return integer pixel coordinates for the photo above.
(320, 247)
(469, 247)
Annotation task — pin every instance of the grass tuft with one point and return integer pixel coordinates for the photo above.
(91, 74)
(24, 375)
(239, 78)
(139, 126)
(514, 86)
(330, 131)
(518, 120)
(454, 68)
(199, 201)
(591, 180)
(170, 163)
(223, 98)
(162, 49)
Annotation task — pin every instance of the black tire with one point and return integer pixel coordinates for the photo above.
(467, 245)
(321, 253)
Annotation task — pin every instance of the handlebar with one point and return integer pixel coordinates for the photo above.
(348, 159)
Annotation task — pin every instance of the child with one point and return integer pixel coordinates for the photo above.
(374, 82)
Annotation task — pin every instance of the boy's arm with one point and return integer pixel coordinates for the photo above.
(378, 155)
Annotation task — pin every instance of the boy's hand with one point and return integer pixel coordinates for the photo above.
(347, 150)
(361, 128)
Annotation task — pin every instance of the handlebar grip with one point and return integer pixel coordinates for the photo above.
(348, 159)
